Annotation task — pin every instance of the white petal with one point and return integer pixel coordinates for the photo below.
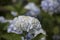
(14, 13)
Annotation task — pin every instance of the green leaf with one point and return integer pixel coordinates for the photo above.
(11, 36)
(58, 19)
(56, 30)
(39, 36)
(9, 7)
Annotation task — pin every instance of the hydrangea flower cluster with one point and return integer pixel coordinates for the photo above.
(3, 20)
(52, 6)
(33, 10)
(25, 23)
(56, 37)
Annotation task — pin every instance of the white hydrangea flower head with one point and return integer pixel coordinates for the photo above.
(25, 23)
(50, 6)
(33, 9)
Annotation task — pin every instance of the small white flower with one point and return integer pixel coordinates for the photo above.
(22, 38)
(8, 21)
(44, 38)
(14, 13)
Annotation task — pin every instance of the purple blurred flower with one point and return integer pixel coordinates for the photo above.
(33, 9)
(2, 19)
(50, 5)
